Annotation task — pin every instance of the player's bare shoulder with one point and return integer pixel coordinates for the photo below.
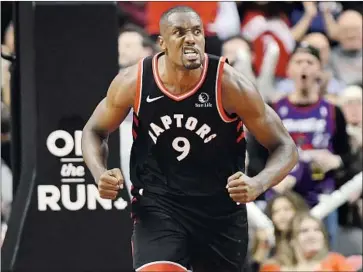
(234, 80)
(123, 87)
(239, 92)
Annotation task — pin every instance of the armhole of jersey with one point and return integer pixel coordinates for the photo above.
(138, 93)
(222, 113)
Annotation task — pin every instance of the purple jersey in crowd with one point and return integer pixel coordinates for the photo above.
(311, 127)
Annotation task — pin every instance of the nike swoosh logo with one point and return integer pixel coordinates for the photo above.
(149, 100)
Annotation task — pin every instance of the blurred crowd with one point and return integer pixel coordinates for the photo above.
(307, 61)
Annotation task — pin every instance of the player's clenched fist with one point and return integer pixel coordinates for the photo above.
(109, 183)
(242, 188)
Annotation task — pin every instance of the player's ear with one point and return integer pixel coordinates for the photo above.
(161, 43)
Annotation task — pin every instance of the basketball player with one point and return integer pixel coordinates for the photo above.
(185, 160)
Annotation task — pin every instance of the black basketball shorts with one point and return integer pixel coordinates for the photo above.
(187, 235)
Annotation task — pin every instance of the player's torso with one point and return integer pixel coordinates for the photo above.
(311, 127)
(181, 143)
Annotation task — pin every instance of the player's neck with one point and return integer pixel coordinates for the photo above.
(304, 97)
(178, 80)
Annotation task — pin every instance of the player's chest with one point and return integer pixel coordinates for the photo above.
(163, 123)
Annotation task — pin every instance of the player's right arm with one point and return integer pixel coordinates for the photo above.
(106, 118)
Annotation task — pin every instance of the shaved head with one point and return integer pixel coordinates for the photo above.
(164, 19)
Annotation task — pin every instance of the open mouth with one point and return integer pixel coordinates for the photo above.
(190, 53)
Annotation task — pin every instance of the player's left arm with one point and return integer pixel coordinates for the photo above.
(240, 96)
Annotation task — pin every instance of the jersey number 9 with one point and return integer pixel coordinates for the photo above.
(181, 145)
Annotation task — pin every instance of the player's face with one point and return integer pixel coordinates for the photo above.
(183, 40)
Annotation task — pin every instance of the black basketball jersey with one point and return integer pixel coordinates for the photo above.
(184, 144)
